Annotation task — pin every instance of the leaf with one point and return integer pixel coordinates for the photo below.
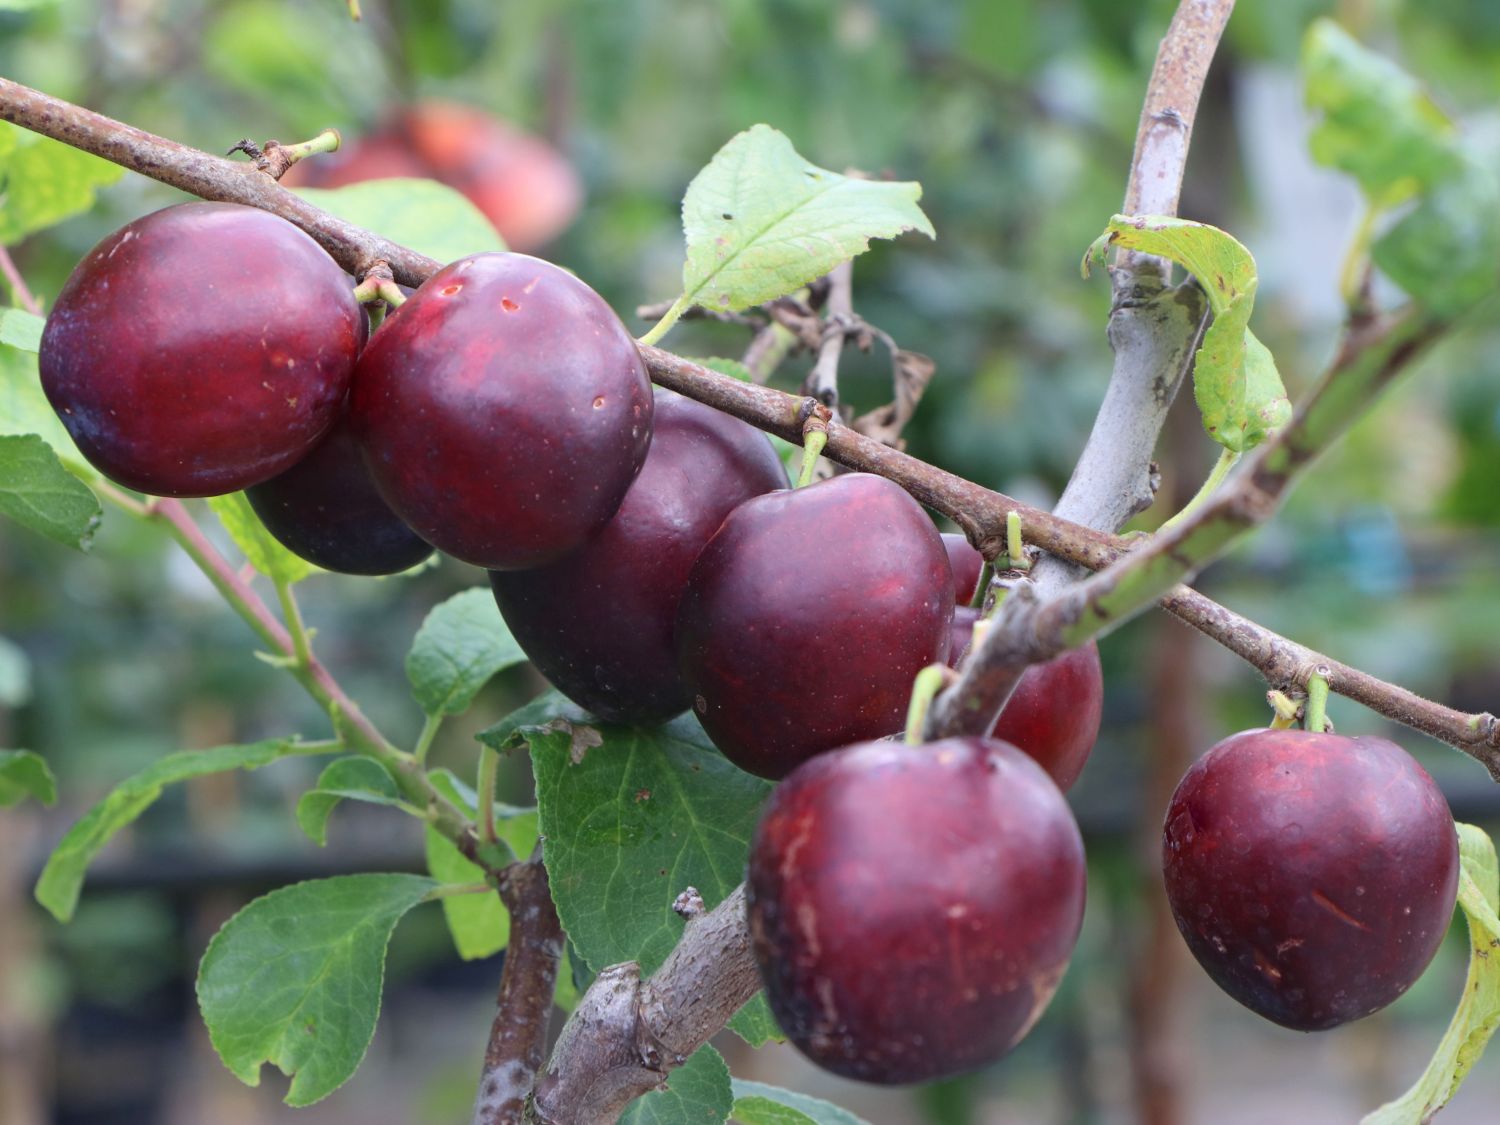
(629, 819)
(294, 978)
(755, 1024)
(15, 675)
(480, 924)
(461, 644)
(260, 548)
(1235, 381)
(429, 217)
(21, 329)
(761, 221)
(61, 878)
(1377, 123)
(755, 1103)
(24, 409)
(38, 493)
(698, 1093)
(1478, 1011)
(43, 181)
(1446, 252)
(731, 367)
(24, 773)
(353, 778)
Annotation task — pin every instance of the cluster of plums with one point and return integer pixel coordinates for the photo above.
(913, 908)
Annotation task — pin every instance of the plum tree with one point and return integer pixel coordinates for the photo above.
(1312, 875)
(181, 369)
(599, 622)
(791, 645)
(904, 956)
(504, 411)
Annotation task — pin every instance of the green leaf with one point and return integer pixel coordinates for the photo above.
(1446, 253)
(429, 217)
(294, 978)
(480, 924)
(21, 329)
(353, 779)
(24, 409)
(61, 878)
(15, 675)
(261, 549)
(1478, 1011)
(38, 493)
(461, 644)
(755, 1103)
(761, 221)
(731, 367)
(43, 181)
(755, 1024)
(698, 1093)
(1235, 381)
(629, 819)
(1377, 123)
(24, 773)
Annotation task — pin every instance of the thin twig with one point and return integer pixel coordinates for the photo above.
(823, 380)
(24, 296)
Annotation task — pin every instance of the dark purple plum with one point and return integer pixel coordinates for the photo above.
(599, 622)
(913, 908)
(201, 349)
(1055, 710)
(807, 616)
(326, 510)
(504, 411)
(967, 564)
(1312, 875)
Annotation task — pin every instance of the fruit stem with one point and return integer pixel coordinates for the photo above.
(1015, 547)
(1228, 458)
(924, 689)
(814, 438)
(489, 767)
(982, 587)
(669, 318)
(424, 740)
(326, 141)
(1285, 708)
(1316, 718)
(354, 13)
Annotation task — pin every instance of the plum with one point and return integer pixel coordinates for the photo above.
(913, 908)
(1312, 875)
(201, 349)
(966, 563)
(599, 622)
(504, 411)
(806, 617)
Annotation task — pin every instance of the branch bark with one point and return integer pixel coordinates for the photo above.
(518, 1036)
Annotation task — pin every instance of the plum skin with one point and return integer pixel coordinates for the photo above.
(967, 565)
(325, 509)
(504, 411)
(1312, 875)
(806, 617)
(913, 908)
(598, 623)
(1055, 711)
(200, 349)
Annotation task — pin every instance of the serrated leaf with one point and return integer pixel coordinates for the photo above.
(429, 217)
(755, 1024)
(24, 773)
(15, 675)
(1235, 381)
(755, 1103)
(479, 924)
(57, 888)
(294, 979)
(698, 1093)
(630, 818)
(351, 779)
(1446, 252)
(21, 329)
(43, 181)
(1377, 123)
(761, 221)
(260, 548)
(39, 493)
(461, 644)
(1478, 1011)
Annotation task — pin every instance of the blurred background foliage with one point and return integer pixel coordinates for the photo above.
(1018, 117)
